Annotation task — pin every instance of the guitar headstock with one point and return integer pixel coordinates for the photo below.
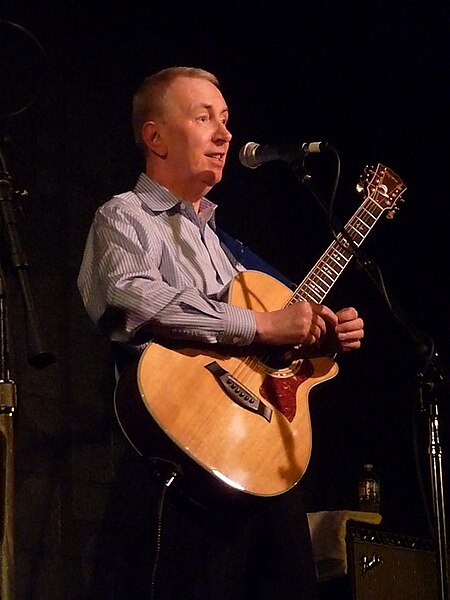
(383, 186)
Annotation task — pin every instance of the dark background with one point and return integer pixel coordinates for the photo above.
(371, 78)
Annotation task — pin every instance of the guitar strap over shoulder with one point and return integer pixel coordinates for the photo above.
(249, 259)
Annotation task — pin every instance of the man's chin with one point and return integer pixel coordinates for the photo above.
(211, 177)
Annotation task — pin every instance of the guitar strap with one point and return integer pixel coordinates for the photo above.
(249, 259)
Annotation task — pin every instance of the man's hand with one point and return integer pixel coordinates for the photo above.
(313, 326)
(301, 323)
(349, 331)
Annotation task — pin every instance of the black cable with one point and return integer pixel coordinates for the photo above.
(167, 475)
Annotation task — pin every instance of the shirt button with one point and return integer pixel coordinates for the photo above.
(235, 340)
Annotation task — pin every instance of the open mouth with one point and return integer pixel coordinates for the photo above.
(216, 156)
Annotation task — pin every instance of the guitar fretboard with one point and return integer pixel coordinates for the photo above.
(333, 261)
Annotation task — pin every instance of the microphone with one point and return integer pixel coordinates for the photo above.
(252, 155)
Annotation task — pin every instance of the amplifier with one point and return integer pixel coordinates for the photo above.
(386, 566)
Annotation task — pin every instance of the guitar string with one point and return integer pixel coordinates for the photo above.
(257, 364)
(251, 363)
(368, 213)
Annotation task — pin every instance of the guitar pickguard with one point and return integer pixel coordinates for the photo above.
(281, 391)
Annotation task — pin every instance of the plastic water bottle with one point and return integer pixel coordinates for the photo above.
(369, 490)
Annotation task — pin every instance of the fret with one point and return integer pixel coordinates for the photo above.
(306, 296)
(302, 296)
(315, 295)
(377, 206)
(327, 268)
(326, 271)
(369, 215)
(361, 226)
(324, 281)
(326, 277)
(342, 246)
(356, 229)
(338, 257)
(356, 236)
(315, 289)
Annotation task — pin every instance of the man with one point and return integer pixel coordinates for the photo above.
(154, 267)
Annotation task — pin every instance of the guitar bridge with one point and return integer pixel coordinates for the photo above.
(238, 392)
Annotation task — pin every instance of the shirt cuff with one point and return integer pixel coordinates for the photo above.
(240, 326)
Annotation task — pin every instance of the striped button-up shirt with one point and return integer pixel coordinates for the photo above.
(157, 267)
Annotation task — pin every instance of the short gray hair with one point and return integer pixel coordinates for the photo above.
(148, 101)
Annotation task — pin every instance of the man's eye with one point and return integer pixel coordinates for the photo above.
(202, 118)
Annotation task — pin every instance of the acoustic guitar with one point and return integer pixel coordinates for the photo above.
(242, 414)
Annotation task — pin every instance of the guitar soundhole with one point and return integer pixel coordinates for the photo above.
(278, 357)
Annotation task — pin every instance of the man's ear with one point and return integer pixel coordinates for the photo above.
(152, 139)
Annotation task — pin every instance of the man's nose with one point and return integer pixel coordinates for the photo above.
(222, 133)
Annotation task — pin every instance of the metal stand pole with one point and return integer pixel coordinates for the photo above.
(8, 399)
(7, 587)
(37, 357)
(440, 537)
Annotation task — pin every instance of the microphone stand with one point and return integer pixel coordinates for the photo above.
(429, 377)
(8, 401)
(37, 357)
(427, 391)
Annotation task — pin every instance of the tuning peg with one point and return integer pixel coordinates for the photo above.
(391, 213)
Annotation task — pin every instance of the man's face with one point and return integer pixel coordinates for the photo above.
(194, 134)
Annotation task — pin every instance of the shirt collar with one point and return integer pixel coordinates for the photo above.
(159, 199)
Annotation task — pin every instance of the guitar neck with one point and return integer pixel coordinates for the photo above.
(333, 261)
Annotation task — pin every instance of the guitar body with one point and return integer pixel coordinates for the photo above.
(241, 415)
(187, 403)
